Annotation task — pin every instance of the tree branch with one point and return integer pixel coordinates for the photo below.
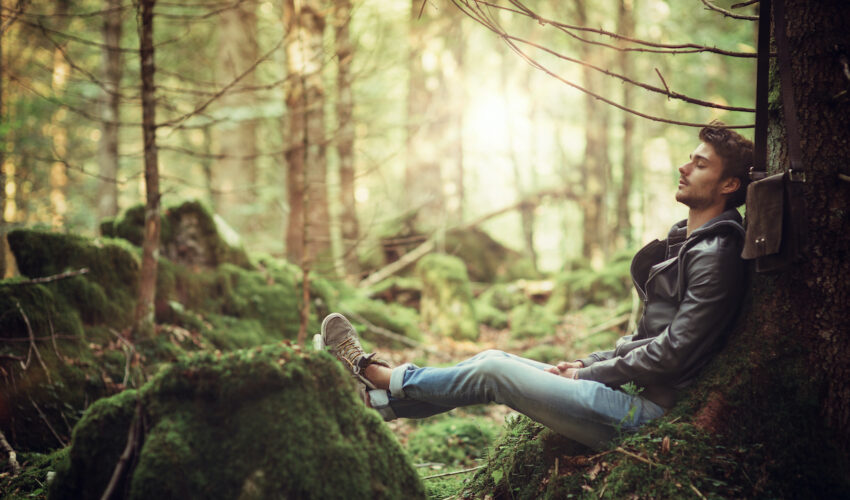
(133, 437)
(48, 279)
(727, 13)
(13, 457)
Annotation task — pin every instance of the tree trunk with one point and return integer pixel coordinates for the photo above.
(234, 174)
(784, 380)
(345, 136)
(433, 134)
(58, 170)
(623, 226)
(595, 163)
(308, 234)
(107, 200)
(150, 244)
(2, 161)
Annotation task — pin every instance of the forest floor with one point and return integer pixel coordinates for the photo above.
(443, 351)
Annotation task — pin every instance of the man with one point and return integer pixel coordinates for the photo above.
(692, 285)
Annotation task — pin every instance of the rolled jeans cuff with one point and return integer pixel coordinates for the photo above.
(397, 380)
(380, 402)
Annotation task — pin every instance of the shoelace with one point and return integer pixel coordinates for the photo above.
(348, 350)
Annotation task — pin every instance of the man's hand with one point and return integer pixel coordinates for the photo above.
(567, 369)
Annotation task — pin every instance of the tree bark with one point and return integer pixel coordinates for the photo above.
(345, 136)
(623, 228)
(234, 174)
(784, 380)
(58, 170)
(596, 162)
(150, 244)
(308, 234)
(2, 161)
(107, 200)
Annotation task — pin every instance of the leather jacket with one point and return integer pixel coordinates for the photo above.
(692, 289)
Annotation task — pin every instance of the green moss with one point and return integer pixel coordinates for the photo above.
(447, 305)
(532, 320)
(503, 296)
(393, 317)
(454, 441)
(486, 259)
(32, 481)
(581, 285)
(490, 316)
(265, 423)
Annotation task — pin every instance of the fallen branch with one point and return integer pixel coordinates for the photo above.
(129, 352)
(132, 444)
(12, 357)
(394, 336)
(464, 471)
(619, 320)
(13, 457)
(33, 347)
(44, 417)
(635, 456)
(429, 244)
(48, 279)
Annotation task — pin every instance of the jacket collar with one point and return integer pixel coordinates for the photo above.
(729, 219)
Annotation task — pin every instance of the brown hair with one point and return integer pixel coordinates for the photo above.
(737, 153)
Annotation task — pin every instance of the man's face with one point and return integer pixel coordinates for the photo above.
(701, 182)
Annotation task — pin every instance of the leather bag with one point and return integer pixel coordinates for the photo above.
(776, 212)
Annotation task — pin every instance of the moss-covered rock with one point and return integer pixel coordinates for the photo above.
(503, 296)
(447, 305)
(487, 260)
(261, 423)
(532, 320)
(190, 235)
(581, 285)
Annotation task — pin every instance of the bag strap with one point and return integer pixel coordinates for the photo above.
(789, 108)
(759, 168)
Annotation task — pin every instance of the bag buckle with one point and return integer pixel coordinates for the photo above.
(757, 175)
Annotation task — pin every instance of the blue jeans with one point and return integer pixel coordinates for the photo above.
(588, 412)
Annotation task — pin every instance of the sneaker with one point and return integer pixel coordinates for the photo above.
(341, 338)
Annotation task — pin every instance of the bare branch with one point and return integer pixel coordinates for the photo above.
(33, 346)
(177, 122)
(13, 457)
(744, 4)
(727, 13)
(49, 426)
(48, 279)
(484, 20)
(671, 48)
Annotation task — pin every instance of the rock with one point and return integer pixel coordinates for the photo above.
(265, 422)
(447, 305)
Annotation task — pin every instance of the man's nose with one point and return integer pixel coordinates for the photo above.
(683, 169)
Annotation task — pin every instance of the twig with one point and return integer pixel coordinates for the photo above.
(664, 82)
(53, 340)
(619, 320)
(727, 13)
(428, 245)
(635, 456)
(33, 347)
(464, 471)
(44, 417)
(129, 352)
(744, 4)
(132, 443)
(697, 492)
(47, 279)
(12, 357)
(13, 457)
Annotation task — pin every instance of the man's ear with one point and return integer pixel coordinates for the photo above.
(730, 185)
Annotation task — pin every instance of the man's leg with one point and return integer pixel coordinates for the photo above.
(586, 411)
